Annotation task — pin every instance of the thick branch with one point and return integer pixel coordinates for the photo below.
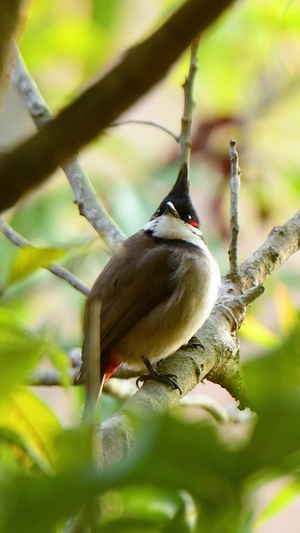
(220, 347)
(77, 124)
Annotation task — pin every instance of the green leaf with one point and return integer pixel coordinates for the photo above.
(275, 376)
(105, 14)
(284, 497)
(61, 361)
(256, 332)
(12, 438)
(20, 350)
(273, 386)
(30, 258)
(34, 424)
(170, 456)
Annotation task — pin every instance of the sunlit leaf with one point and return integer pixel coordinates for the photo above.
(17, 443)
(61, 361)
(105, 13)
(29, 259)
(20, 350)
(155, 474)
(255, 331)
(273, 385)
(35, 424)
(284, 497)
(286, 312)
(276, 375)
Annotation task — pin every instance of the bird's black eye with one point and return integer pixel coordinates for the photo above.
(189, 217)
(158, 212)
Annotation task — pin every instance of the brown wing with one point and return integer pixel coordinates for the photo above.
(133, 282)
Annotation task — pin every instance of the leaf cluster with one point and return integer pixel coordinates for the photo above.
(181, 476)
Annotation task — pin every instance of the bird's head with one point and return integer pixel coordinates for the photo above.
(176, 217)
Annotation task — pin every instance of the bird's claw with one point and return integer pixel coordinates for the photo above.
(161, 378)
(195, 343)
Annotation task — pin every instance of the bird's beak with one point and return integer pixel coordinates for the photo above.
(170, 209)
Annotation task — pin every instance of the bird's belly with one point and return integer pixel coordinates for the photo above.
(170, 324)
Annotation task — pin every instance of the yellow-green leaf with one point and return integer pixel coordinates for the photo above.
(284, 497)
(286, 311)
(61, 361)
(21, 449)
(30, 258)
(20, 350)
(23, 412)
(256, 332)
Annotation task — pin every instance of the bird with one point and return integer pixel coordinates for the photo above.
(154, 293)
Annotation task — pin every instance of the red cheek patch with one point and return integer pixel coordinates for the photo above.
(153, 217)
(194, 223)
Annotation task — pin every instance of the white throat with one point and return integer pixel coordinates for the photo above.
(169, 227)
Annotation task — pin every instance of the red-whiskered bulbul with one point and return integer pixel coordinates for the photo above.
(155, 292)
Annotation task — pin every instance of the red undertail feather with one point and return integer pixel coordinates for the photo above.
(112, 366)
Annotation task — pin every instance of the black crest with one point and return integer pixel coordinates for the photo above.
(180, 198)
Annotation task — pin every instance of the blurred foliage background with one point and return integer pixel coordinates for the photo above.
(247, 88)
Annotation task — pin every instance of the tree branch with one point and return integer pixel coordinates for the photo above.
(234, 208)
(189, 105)
(86, 197)
(29, 164)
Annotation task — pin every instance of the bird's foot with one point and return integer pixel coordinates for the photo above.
(153, 375)
(195, 343)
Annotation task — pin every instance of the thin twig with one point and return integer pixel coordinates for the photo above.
(57, 270)
(189, 105)
(86, 197)
(235, 175)
(146, 123)
(252, 294)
